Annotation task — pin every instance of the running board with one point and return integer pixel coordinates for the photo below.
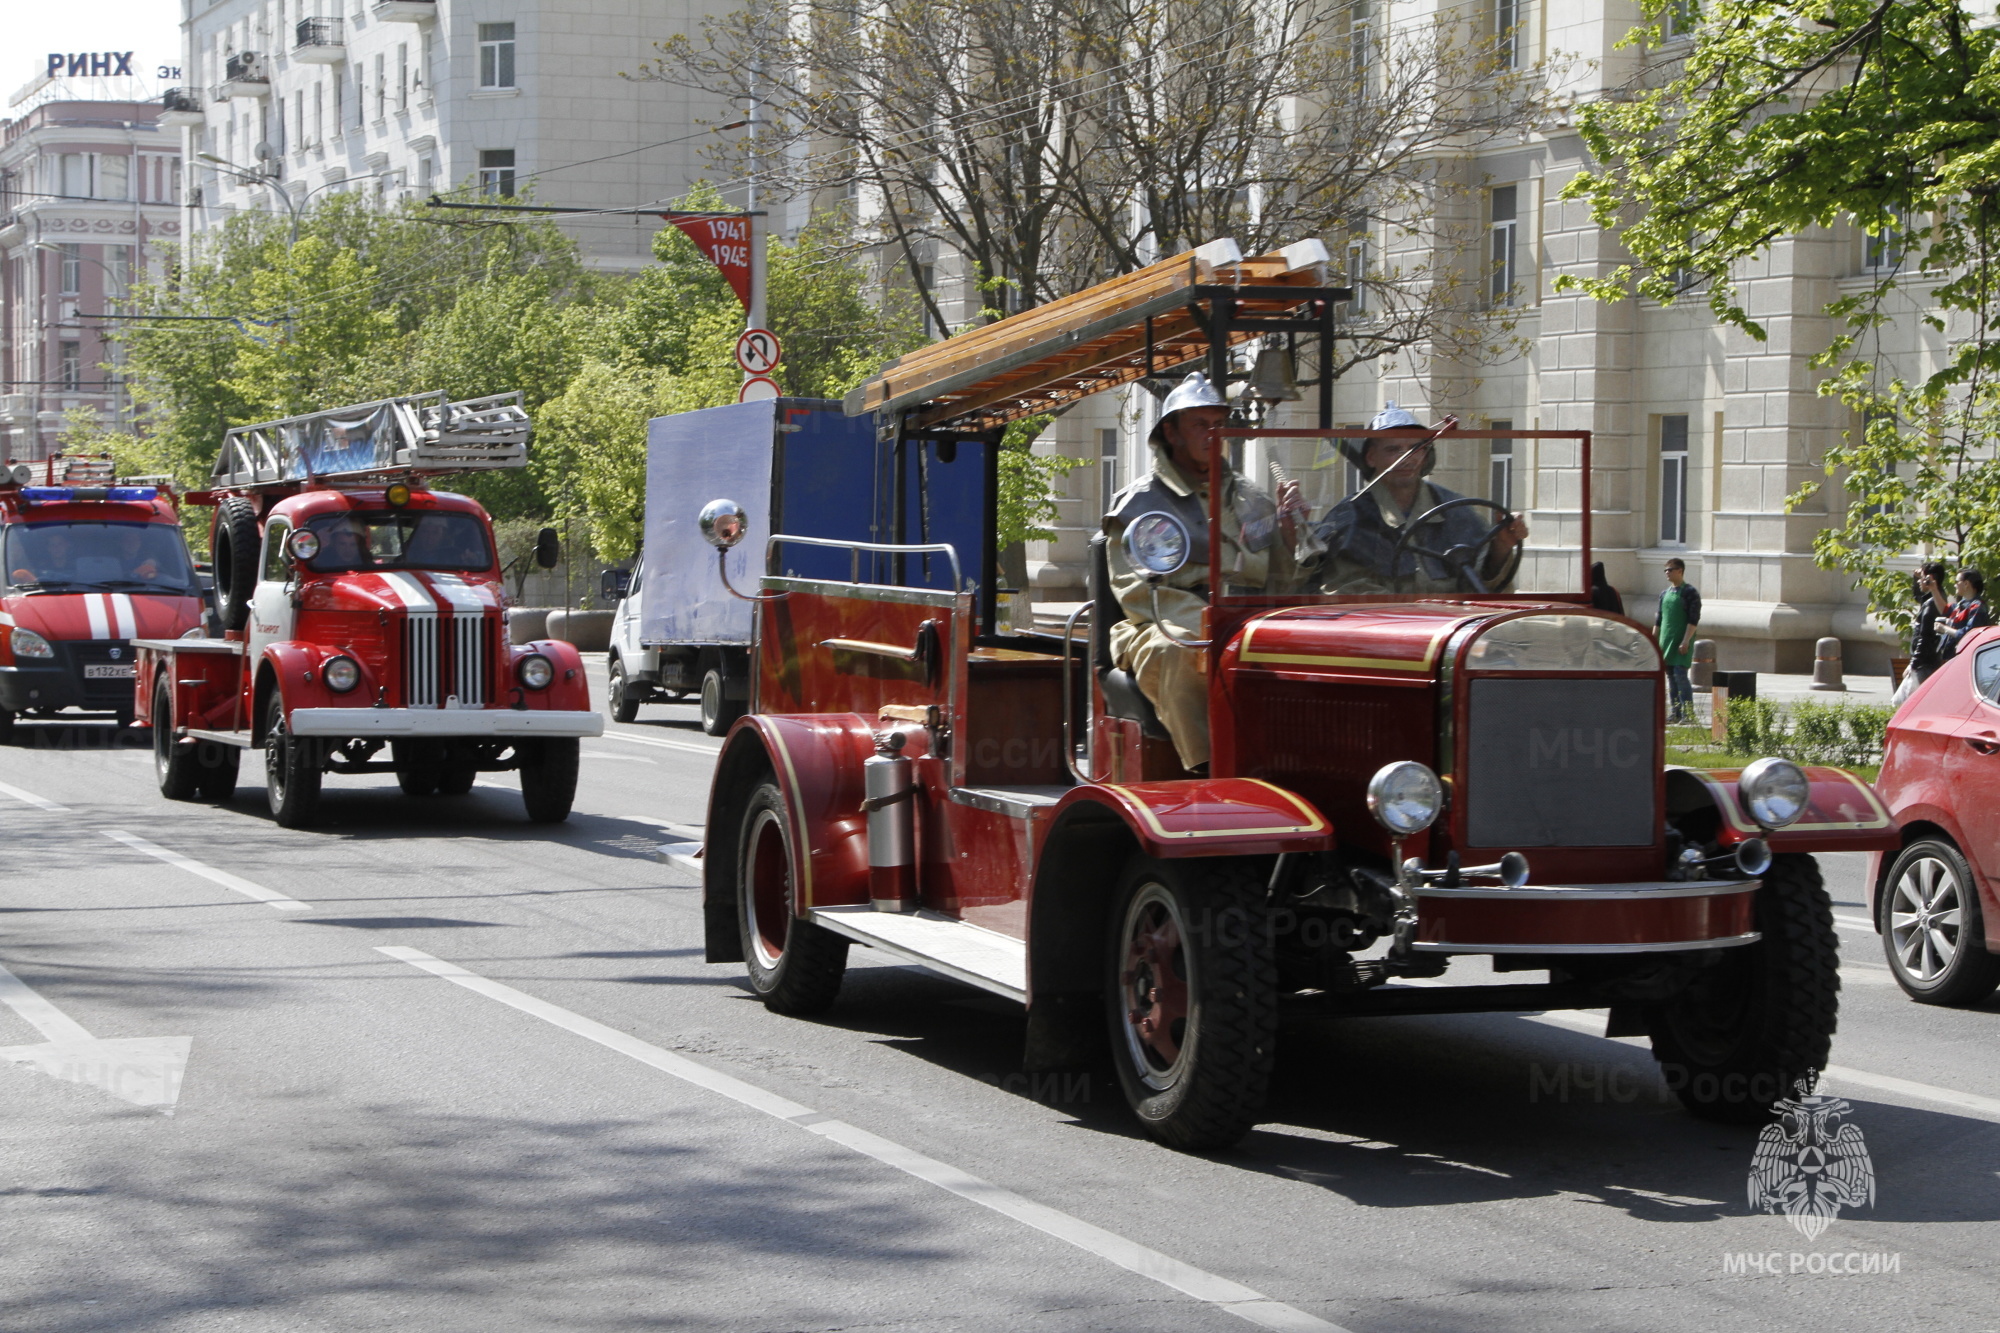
(239, 739)
(955, 949)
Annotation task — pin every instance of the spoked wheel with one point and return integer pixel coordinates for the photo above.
(795, 966)
(623, 703)
(1762, 1016)
(1935, 935)
(1192, 993)
(291, 770)
(174, 765)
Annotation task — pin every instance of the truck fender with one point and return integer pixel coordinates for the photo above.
(569, 691)
(816, 761)
(283, 667)
(1843, 813)
(1210, 816)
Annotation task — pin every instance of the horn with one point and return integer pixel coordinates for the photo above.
(1272, 378)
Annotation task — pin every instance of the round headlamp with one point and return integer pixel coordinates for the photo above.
(1405, 797)
(304, 545)
(1157, 543)
(27, 643)
(1774, 791)
(397, 495)
(341, 674)
(536, 671)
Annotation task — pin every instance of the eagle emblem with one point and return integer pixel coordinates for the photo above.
(1810, 1163)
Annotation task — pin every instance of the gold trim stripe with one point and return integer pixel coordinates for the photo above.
(1318, 824)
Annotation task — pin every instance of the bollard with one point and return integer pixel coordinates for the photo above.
(1701, 671)
(1826, 666)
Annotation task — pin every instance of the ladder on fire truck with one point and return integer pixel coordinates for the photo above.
(416, 435)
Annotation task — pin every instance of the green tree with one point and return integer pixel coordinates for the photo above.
(1785, 117)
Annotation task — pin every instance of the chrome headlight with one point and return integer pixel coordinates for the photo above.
(1157, 543)
(304, 544)
(536, 671)
(1405, 798)
(1774, 791)
(27, 643)
(341, 674)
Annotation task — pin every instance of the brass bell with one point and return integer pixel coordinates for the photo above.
(1272, 378)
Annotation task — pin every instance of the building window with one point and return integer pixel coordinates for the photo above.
(1882, 253)
(1506, 33)
(496, 55)
(114, 177)
(426, 173)
(402, 76)
(496, 172)
(1107, 467)
(75, 175)
(70, 356)
(118, 263)
(299, 119)
(1502, 237)
(319, 112)
(1360, 40)
(1500, 469)
(381, 89)
(1681, 17)
(1673, 481)
(926, 289)
(70, 273)
(1357, 269)
(424, 69)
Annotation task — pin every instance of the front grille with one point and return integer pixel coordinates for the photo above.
(420, 660)
(430, 675)
(471, 659)
(1561, 763)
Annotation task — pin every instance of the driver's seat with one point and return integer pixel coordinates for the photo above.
(1122, 695)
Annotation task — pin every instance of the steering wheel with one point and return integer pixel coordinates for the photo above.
(1466, 560)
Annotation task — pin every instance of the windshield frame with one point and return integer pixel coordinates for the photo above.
(316, 524)
(189, 586)
(1218, 585)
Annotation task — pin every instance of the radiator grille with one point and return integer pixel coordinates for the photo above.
(471, 659)
(1562, 763)
(420, 660)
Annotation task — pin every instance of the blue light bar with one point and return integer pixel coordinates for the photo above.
(134, 494)
(42, 495)
(61, 494)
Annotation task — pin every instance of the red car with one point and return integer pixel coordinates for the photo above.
(1937, 901)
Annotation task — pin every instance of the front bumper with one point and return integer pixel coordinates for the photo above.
(1659, 917)
(62, 682)
(455, 723)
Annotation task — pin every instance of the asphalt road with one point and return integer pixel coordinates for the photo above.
(541, 1111)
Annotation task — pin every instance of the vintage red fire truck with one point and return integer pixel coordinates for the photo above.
(362, 612)
(1399, 780)
(91, 564)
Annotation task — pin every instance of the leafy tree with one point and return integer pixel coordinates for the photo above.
(1785, 117)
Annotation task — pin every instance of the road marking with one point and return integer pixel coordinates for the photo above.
(1860, 923)
(1233, 1297)
(710, 750)
(145, 1071)
(39, 802)
(269, 897)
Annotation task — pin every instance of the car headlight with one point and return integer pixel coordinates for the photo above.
(1774, 791)
(304, 544)
(341, 674)
(1405, 798)
(536, 671)
(27, 643)
(1157, 543)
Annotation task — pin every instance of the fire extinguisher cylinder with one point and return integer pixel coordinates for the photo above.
(888, 783)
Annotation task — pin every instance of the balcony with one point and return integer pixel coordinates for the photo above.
(181, 107)
(320, 42)
(244, 76)
(405, 11)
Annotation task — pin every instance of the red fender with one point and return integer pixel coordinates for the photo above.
(817, 759)
(568, 692)
(1210, 816)
(1843, 814)
(289, 663)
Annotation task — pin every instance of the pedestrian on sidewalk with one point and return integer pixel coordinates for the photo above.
(1963, 616)
(1925, 641)
(1602, 595)
(1673, 629)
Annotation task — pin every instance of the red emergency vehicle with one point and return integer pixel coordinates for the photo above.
(364, 620)
(1400, 778)
(90, 565)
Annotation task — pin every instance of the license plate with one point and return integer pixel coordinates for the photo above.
(111, 671)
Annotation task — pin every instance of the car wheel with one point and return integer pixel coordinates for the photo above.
(624, 707)
(217, 768)
(1760, 1016)
(419, 766)
(718, 710)
(796, 967)
(291, 770)
(174, 764)
(1934, 933)
(1191, 987)
(6, 726)
(548, 777)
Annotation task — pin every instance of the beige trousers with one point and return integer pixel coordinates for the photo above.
(1171, 678)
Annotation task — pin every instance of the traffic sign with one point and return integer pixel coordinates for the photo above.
(758, 351)
(756, 389)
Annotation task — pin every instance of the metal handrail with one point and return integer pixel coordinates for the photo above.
(1069, 696)
(949, 551)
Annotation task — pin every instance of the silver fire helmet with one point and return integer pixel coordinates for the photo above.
(1194, 391)
(1391, 417)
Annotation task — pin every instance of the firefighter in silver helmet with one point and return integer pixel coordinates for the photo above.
(1260, 553)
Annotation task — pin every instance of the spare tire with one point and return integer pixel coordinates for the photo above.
(237, 554)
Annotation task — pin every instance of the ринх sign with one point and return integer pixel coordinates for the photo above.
(90, 64)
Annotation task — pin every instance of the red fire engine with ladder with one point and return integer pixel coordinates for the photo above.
(363, 612)
(1431, 751)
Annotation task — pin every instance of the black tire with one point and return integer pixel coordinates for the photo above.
(548, 777)
(238, 553)
(1933, 931)
(618, 696)
(1191, 992)
(795, 966)
(291, 770)
(718, 711)
(217, 769)
(6, 726)
(419, 766)
(175, 766)
(1763, 1016)
(457, 777)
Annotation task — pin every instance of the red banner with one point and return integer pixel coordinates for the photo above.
(726, 242)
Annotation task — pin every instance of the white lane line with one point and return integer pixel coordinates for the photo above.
(710, 750)
(1860, 923)
(146, 1071)
(269, 897)
(48, 1020)
(39, 802)
(1233, 1297)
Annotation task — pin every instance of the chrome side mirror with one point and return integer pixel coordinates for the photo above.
(1157, 543)
(723, 524)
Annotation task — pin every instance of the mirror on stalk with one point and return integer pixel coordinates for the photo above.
(723, 523)
(1156, 543)
(548, 548)
(615, 584)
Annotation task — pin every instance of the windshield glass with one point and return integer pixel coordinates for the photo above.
(99, 557)
(399, 539)
(1397, 514)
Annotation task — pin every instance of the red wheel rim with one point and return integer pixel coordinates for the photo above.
(1155, 994)
(769, 891)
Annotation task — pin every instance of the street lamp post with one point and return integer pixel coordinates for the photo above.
(294, 206)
